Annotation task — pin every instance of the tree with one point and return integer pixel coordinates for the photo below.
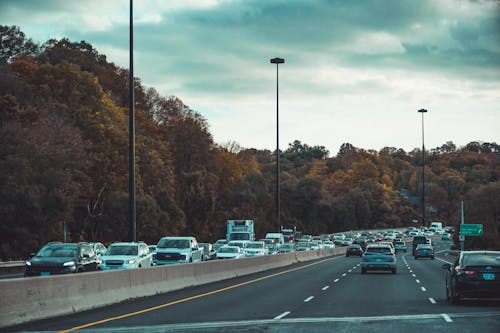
(13, 42)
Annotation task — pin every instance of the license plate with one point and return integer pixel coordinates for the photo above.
(45, 273)
(489, 276)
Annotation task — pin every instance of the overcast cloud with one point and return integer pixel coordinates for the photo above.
(355, 71)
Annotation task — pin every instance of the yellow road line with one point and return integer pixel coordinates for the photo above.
(188, 298)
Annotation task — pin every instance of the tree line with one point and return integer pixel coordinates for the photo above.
(64, 160)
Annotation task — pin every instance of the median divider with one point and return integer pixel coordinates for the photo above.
(33, 298)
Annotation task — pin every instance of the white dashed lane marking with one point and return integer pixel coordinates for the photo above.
(446, 317)
(308, 299)
(284, 314)
(325, 288)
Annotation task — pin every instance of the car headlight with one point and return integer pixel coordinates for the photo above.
(131, 261)
(69, 264)
(28, 263)
(184, 256)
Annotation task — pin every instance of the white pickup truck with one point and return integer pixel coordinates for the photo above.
(175, 250)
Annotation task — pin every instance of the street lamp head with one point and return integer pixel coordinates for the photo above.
(422, 110)
(277, 61)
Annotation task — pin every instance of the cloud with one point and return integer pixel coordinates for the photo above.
(348, 63)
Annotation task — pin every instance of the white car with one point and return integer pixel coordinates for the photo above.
(328, 245)
(230, 252)
(316, 245)
(239, 243)
(254, 249)
(126, 255)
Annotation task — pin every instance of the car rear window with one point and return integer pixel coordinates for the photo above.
(480, 259)
(174, 243)
(379, 249)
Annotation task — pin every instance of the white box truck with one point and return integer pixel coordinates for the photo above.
(240, 230)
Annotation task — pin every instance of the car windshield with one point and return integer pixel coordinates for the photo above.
(59, 250)
(481, 259)
(228, 250)
(122, 250)
(174, 243)
(255, 245)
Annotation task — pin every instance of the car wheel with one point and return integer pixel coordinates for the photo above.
(416, 257)
(432, 257)
(347, 255)
(394, 271)
(79, 270)
(363, 270)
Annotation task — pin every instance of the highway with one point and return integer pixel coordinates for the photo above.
(328, 295)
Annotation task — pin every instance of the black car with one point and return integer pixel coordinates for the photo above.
(354, 250)
(62, 258)
(475, 274)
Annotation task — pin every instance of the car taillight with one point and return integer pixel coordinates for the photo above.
(465, 272)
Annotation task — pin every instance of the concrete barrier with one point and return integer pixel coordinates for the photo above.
(28, 299)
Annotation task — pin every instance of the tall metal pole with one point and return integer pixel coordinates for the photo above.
(132, 206)
(277, 61)
(422, 111)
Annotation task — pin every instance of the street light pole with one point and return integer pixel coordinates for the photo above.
(131, 194)
(277, 61)
(422, 111)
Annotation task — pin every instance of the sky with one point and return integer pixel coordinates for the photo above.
(355, 71)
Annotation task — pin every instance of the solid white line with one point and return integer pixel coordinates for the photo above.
(284, 314)
(432, 300)
(336, 280)
(423, 289)
(446, 317)
(418, 281)
(444, 261)
(344, 274)
(325, 287)
(309, 298)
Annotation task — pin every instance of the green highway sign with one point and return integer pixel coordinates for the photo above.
(471, 229)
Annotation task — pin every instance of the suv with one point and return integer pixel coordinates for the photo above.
(378, 257)
(62, 258)
(424, 250)
(127, 255)
(419, 240)
(175, 250)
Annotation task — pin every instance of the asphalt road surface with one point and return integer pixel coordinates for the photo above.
(328, 295)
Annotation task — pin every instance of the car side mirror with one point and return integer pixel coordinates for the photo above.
(446, 267)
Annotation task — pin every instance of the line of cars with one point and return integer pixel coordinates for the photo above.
(62, 258)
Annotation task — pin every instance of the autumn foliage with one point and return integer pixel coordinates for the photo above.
(64, 159)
